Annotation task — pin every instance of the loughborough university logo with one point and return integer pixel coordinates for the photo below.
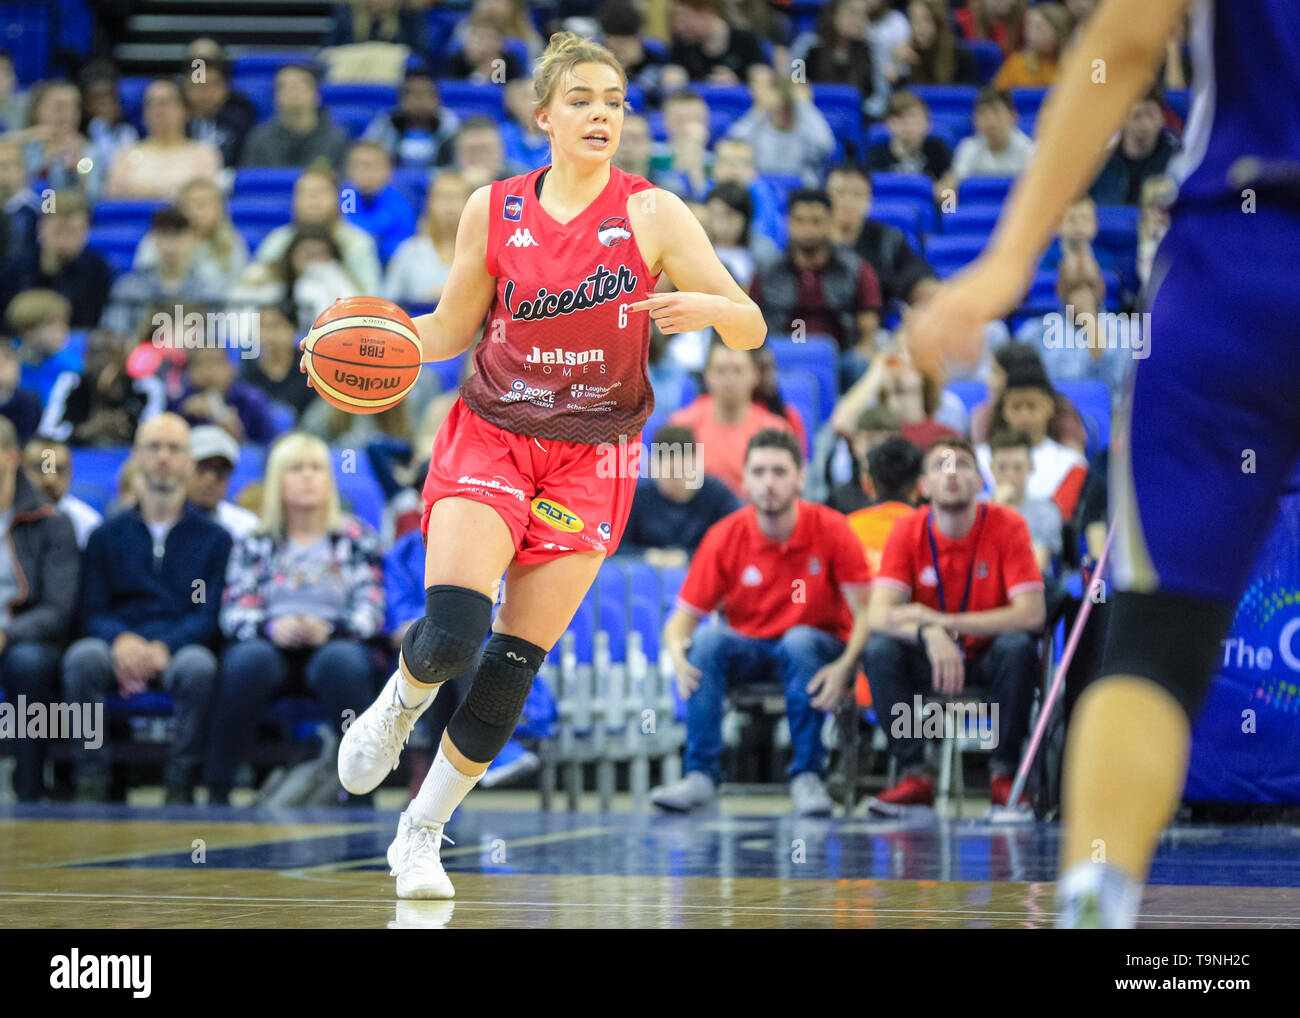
(613, 231)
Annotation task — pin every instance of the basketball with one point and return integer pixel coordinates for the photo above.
(363, 354)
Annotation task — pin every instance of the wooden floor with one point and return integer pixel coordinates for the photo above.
(121, 867)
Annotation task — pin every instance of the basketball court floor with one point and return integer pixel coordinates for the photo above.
(89, 867)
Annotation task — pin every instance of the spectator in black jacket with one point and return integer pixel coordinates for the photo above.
(911, 147)
(21, 406)
(883, 246)
(707, 48)
(676, 504)
(301, 132)
(153, 577)
(217, 113)
(39, 565)
(62, 263)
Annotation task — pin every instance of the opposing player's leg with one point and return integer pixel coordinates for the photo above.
(469, 548)
(539, 602)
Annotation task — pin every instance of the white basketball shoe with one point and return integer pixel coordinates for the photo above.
(373, 742)
(415, 859)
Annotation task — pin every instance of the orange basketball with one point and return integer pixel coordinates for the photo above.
(363, 354)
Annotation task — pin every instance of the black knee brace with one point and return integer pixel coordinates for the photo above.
(483, 724)
(442, 645)
(1170, 639)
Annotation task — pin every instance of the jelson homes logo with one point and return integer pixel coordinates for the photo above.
(600, 287)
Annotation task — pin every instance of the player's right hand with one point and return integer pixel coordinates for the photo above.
(302, 365)
(947, 665)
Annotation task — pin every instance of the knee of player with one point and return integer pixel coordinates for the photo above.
(444, 642)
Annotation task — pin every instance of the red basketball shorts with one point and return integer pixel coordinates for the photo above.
(556, 497)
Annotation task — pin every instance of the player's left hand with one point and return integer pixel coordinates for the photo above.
(302, 365)
(912, 614)
(683, 310)
(829, 684)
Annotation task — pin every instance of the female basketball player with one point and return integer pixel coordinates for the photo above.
(1219, 380)
(562, 263)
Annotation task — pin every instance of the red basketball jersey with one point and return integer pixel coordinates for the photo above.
(561, 356)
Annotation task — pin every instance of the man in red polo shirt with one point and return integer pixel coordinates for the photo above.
(958, 600)
(788, 576)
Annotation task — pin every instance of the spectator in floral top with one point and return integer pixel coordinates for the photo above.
(304, 598)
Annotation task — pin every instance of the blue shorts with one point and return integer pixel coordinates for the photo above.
(1208, 432)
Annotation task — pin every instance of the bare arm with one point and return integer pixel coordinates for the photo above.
(883, 600)
(450, 328)
(1026, 611)
(677, 638)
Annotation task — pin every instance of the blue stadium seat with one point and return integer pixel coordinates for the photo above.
(358, 486)
(613, 580)
(259, 89)
(130, 92)
(1092, 397)
(261, 210)
(414, 185)
(988, 58)
(970, 220)
(348, 93)
(448, 371)
(1117, 227)
(134, 213)
(614, 621)
(251, 467)
(469, 98)
(948, 254)
(115, 244)
(647, 619)
(583, 628)
(283, 417)
(690, 389)
(655, 47)
(644, 580)
(353, 119)
(971, 392)
(841, 105)
(902, 186)
(733, 100)
(948, 99)
(268, 62)
(782, 184)
(146, 704)
(265, 180)
(983, 190)
(952, 127)
(817, 355)
(799, 389)
(672, 583)
(1027, 102)
(908, 216)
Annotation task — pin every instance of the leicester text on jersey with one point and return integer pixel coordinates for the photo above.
(598, 288)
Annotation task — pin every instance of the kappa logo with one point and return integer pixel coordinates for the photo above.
(522, 238)
(557, 515)
(513, 208)
(613, 231)
(929, 578)
(751, 577)
(814, 566)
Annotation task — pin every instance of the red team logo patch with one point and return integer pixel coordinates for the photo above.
(513, 209)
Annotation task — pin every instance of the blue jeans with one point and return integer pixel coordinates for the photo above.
(726, 658)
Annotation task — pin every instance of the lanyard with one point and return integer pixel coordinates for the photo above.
(970, 573)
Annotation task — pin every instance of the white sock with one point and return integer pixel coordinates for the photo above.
(442, 791)
(1115, 895)
(409, 693)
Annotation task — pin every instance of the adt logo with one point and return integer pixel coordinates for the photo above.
(514, 207)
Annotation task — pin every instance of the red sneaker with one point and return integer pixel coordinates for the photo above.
(1000, 790)
(913, 791)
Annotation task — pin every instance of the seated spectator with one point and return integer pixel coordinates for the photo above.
(21, 406)
(482, 57)
(1000, 21)
(371, 202)
(304, 593)
(733, 163)
(621, 27)
(1011, 461)
(39, 575)
(103, 121)
(419, 267)
(218, 114)
(143, 624)
(883, 246)
(511, 18)
(126, 495)
(106, 404)
(62, 263)
(18, 202)
(957, 602)
(1144, 149)
(838, 53)
(819, 288)
(747, 565)
(177, 275)
(676, 504)
(725, 417)
(933, 56)
(1076, 237)
(1027, 405)
(914, 396)
(1047, 30)
(13, 100)
(997, 149)
(1081, 339)
(215, 456)
(275, 370)
(893, 473)
(635, 147)
(391, 21)
(417, 133)
(219, 250)
(671, 382)
(479, 153)
(1153, 222)
(1066, 426)
(728, 224)
(768, 394)
(213, 395)
(165, 160)
(301, 132)
(709, 49)
(310, 277)
(316, 203)
(887, 30)
(39, 318)
(48, 464)
(55, 146)
(911, 147)
(526, 143)
(686, 151)
(873, 426)
(785, 129)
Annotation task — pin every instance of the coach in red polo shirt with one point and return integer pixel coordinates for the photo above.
(788, 576)
(958, 599)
